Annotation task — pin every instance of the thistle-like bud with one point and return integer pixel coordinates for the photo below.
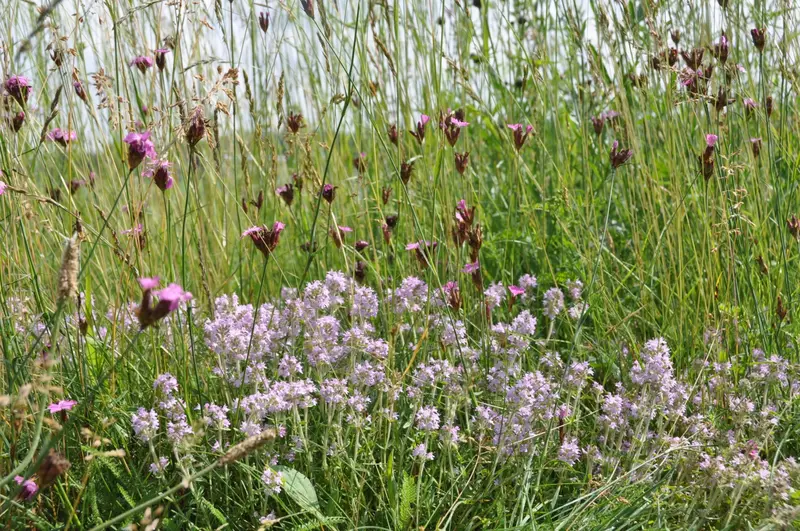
(393, 134)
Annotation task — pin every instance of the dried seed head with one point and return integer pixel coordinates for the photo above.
(68, 274)
(247, 447)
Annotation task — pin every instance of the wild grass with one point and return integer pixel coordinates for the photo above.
(285, 394)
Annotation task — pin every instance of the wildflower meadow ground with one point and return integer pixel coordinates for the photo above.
(466, 265)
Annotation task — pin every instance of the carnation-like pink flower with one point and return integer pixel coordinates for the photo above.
(61, 405)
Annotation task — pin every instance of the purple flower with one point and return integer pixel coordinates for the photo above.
(516, 291)
(3, 187)
(472, 267)
(421, 452)
(148, 283)
(427, 418)
(169, 299)
(63, 137)
(29, 487)
(711, 140)
(19, 88)
(159, 172)
(273, 480)
(61, 405)
(145, 424)
(139, 147)
(569, 452)
(495, 295)
(553, 303)
(142, 62)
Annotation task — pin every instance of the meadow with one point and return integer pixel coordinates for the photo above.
(466, 265)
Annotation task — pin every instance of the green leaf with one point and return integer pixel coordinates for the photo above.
(300, 489)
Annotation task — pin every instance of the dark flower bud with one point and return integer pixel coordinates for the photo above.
(706, 167)
(328, 193)
(672, 56)
(287, 193)
(794, 227)
(759, 37)
(79, 90)
(294, 122)
(520, 134)
(308, 7)
(75, 185)
(361, 245)
(196, 129)
(161, 58)
(462, 161)
(693, 58)
(393, 134)
(769, 106)
(360, 162)
(781, 311)
(360, 272)
(597, 124)
(297, 179)
(675, 35)
(755, 143)
(619, 156)
(265, 239)
(386, 193)
(337, 234)
(263, 21)
(419, 134)
(391, 221)
(721, 49)
(259, 200)
(406, 170)
(17, 121)
(53, 466)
